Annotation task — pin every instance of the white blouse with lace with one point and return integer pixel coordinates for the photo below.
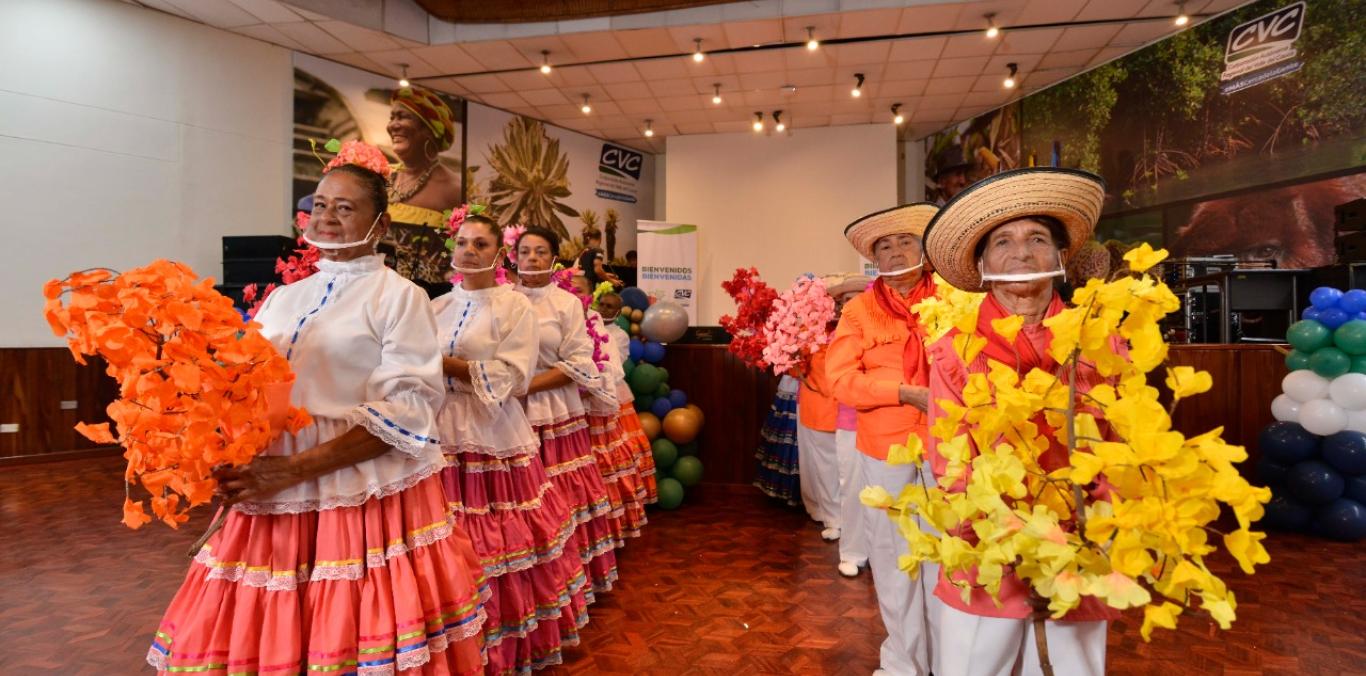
(612, 370)
(621, 346)
(494, 329)
(564, 344)
(362, 343)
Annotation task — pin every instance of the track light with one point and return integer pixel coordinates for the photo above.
(585, 107)
(857, 91)
(649, 130)
(403, 81)
(992, 30)
(545, 61)
(811, 43)
(1010, 79)
(897, 117)
(778, 125)
(697, 55)
(716, 93)
(1181, 17)
(758, 121)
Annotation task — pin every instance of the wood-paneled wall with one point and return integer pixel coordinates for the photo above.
(33, 384)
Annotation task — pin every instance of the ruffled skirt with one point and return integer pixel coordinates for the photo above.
(568, 457)
(640, 450)
(616, 462)
(777, 453)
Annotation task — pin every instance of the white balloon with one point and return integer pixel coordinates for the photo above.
(1305, 386)
(1349, 391)
(1323, 417)
(1285, 409)
(1356, 421)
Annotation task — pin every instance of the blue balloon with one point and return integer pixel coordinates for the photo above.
(1315, 483)
(654, 352)
(1346, 452)
(1282, 513)
(1311, 313)
(1287, 443)
(1325, 297)
(634, 298)
(636, 350)
(1356, 489)
(1360, 315)
(1271, 473)
(678, 399)
(1343, 519)
(661, 407)
(1353, 301)
(1333, 317)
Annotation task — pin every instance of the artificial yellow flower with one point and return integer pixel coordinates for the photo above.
(1008, 327)
(968, 346)
(910, 453)
(1158, 616)
(1246, 547)
(876, 497)
(1142, 257)
(1185, 381)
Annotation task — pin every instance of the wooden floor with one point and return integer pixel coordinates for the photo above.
(729, 584)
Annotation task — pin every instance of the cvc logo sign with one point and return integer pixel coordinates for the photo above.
(620, 161)
(1273, 31)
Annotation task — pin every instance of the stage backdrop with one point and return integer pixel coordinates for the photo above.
(584, 188)
(1235, 137)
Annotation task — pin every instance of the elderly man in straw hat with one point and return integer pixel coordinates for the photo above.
(853, 532)
(876, 364)
(1011, 235)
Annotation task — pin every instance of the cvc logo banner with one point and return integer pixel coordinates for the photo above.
(1262, 49)
(618, 172)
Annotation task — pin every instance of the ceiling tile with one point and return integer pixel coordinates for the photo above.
(661, 69)
(733, 126)
(645, 41)
(686, 102)
(1073, 59)
(759, 61)
(917, 49)
(811, 77)
(903, 87)
(825, 26)
(544, 97)
(850, 118)
(940, 101)
(1029, 42)
(863, 53)
(695, 127)
(359, 39)
(391, 59)
(910, 70)
(217, 13)
(638, 105)
(628, 90)
(522, 80)
(929, 18)
(358, 61)
(268, 11)
(269, 34)
(1086, 37)
(972, 44)
(951, 67)
(497, 55)
(1137, 34)
(585, 47)
(504, 100)
(950, 85)
(572, 77)
(681, 38)
(1049, 11)
(750, 33)
(482, 84)
(674, 87)
(1109, 9)
(314, 39)
(770, 80)
(608, 73)
(448, 59)
(869, 23)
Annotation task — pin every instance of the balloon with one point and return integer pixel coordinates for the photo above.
(1351, 337)
(661, 407)
(623, 322)
(646, 379)
(637, 315)
(650, 424)
(653, 352)
(1304, 386)
(636, 350)
(1325, 297)
(670, 493)
(1330, 362)
(1271, 473)
(1348, 391)
(662, 392)
(663, 374)
(1308, 335)
(1282, 513)
(643, 404)
(1285, 409)
(1353, 301)
(1333, 318)
(1356, 488)
(695, 409)
(1343, 519)
(678, 398)
(689, 448)
(1311, 312)
(1323, 417)
(688, 471)
(1296, 360)
(632, 297)
(665, 453)
(1346, 452)
(1356, 421)
(1287, 443)
(681, 426)
(635, 329)
(665, 321)
(628, 367)
(1360, 315)
(1314, 483)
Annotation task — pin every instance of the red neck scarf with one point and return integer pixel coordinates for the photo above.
(1021, 353)
(898, 308)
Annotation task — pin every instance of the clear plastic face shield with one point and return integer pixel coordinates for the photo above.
(1021, 276)
(336, 246)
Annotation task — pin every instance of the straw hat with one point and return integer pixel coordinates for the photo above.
(906, 219)
(839, 284)
(1092, 261)
(1072, 196)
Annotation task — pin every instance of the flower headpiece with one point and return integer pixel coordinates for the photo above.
(359, 153)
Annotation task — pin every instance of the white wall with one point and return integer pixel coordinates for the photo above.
(777, 203)
(129, 135)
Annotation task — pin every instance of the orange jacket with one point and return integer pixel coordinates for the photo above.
(865, 371)
(817, 408)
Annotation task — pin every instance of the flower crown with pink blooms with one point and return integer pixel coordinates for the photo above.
(359, 153)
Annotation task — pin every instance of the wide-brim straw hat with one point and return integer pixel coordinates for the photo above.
(1072, 196)
(839, 284)
(1092, 261)
(906, 219)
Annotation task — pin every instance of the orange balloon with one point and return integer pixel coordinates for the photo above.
(651, 425)
(700, 418)
(635, 329)
(681, 425)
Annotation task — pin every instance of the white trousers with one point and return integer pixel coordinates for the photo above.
(853, 519)
(972, 645)
(819, 474)
(909, 608)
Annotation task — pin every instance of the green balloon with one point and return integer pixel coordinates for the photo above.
(644, 380)
(664, 452)
(623, 322)
(689, 448)
(629, 367)
(1351, 337)
(1330, 362)
(688, 471)
(644, 403)
(1308, 335)
(670, 493)
(663, 374)
(662, 390)
(1359, 364)
(1296, 360)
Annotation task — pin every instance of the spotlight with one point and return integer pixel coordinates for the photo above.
(585, 107)
(403, 81)
(1010, 79)
(992, 30)
(857, 91)
(697, 55)
(778, 125)
(897, 117)
(811, 43)
(649, 130)
(545, 61)
(758, 121)
(1181, 17)
(716, 93)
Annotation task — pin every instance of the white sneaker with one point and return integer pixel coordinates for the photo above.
(849, 568)
(830, 534)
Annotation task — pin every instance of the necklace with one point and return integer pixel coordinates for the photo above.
(396, 196)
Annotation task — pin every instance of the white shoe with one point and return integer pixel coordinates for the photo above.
(881, 672)
(849, 568)
(830, 534)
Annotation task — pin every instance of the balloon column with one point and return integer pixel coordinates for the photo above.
(670, 421)
(1314, 456)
